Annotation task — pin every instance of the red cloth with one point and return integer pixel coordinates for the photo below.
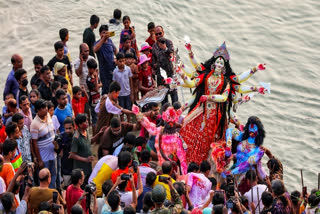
(78, 105)
(201, 131)
(72, 196)
(150, 41)
(3, 134)
(118, 172)
(146, 78)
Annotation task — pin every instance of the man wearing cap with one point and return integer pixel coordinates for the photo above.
(162, 51)
(158, 197)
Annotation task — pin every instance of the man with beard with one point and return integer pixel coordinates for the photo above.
(111, 137)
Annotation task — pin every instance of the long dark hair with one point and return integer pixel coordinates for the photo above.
(261, 133)
(278, 189)
(200, 90)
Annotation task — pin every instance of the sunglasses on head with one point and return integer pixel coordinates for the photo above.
(163, 42)
(159, 34)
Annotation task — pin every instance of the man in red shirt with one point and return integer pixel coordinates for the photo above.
(75, 193)
(124, 162)
(152, 115)
(79, 101)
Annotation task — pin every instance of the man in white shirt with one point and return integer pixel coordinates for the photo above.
(199, 185)
(80, 65)
(144, 167)
(255, 193)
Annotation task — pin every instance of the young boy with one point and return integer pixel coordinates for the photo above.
(64, 36)
(126, 48)
(79, 100)
(54, 87)
(152, 38)
(94, 86)
(36, 78)
(63, 109)
(64, 86)
(22, 79)
(60, 57)
(13, 133)
(6, 114)
(80, 149)
(130, 62)
(146, 82)
(64, 150)
(122, 74)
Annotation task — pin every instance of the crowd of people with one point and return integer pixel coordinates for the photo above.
(49, 163)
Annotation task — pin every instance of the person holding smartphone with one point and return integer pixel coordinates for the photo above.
(163, 179)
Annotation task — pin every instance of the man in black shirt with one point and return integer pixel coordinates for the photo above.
(88, 34)
(44, 87)
(60, 57)
(36, 79)
(21, 77)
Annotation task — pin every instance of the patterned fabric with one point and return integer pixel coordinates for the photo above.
(24, 144)
(27, 118)
(279, 208)
(278, 174)
(202, 125)
(171, 144)
(161, 58)
(247, 155)
(43, 132)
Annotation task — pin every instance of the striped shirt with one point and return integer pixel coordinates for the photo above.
(43, 132)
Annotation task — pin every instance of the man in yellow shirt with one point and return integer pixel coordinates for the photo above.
(161, 179)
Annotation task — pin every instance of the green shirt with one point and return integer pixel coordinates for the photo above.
(81, 146)
(173, 209)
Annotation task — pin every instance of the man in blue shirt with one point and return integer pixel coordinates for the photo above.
(63, 109)
(105, 50)
(12, 84)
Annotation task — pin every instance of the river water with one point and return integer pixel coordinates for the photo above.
(281, 34)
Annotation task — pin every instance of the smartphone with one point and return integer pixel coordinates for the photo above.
(135, 166)
(163, 179)
(54, 197)
(304, 191)
(112, 33)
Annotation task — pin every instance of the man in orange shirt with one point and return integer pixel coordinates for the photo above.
(124, 162)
